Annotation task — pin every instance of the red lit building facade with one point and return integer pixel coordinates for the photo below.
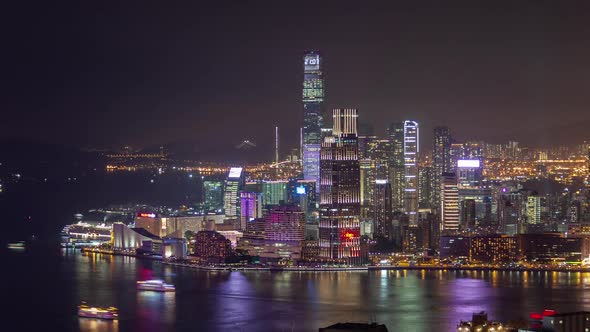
(339, 229)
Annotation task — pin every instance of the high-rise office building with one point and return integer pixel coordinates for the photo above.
(471, 188)
(533, 209)
(411, 150)
(383, 214)
(364, 144)
(213, 195)
(275, 192)
(468, 213)
(285, 223)
(380, 151)
(339, 229)
(425, 190)
(376, 165)
(302, 192)
(469, 173)
(231, 202)
(367, 169)
(449, 197)
(395, 132)
(441, 160)
(466, 151)
(250, 208)
(313, 99)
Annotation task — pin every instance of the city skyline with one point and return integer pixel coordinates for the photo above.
(296, 166)
(142, 98)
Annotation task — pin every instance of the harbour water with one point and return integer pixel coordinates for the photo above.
(44, 284)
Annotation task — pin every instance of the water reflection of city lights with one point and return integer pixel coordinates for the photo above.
(99, 325)
(156, 306)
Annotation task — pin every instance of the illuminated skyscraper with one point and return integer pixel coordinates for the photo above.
(449, 197)
(411, 150)
(275, 192)
(425, 191)
(231, 202)
(250, 208)
(339, 228)
(364, 144)
(396, 165)
(441, 160)
(378, 152)
(213, 194)
(303, 193)
(471, 188)
(533, 209)
(367, 167)
(313, 98)
(468, 150)
(382, 207)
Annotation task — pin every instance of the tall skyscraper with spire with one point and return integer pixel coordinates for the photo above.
(411, 150)
(339, 228)
(313, 106)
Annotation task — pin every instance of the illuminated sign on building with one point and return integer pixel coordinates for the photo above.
(468, 163)
(381, 181)
(146, 215)
(312, 62)
(348, 234)
(235, 172)
(300, 190)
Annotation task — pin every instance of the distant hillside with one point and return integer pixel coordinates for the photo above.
(236, 152)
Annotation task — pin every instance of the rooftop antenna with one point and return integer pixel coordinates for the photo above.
(276, 145)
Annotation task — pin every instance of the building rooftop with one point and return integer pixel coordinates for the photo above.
(144, 232)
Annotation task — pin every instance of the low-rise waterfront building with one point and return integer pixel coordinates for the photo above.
(493, 249)
(554, 247)
(211, 244)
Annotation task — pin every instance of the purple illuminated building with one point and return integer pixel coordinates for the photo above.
(285, 223)
(250, 207)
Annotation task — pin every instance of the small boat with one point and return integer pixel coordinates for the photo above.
(155, 285)
(98, 312)
(17, 245)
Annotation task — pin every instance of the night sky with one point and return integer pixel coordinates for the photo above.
(107, 73)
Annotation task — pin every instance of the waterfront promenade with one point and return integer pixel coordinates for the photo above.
(337, 268)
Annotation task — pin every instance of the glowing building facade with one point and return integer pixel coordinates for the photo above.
(212, 244)
(396, 166)
(411, 150)
(339, 229)
(475, 199)
(449, 197)
(441, 160)
(250, 208)
(313, 99)
(213, 194)
(285, 223)
(533, 209)
(231, 200)
(275, 192)
(382, 209)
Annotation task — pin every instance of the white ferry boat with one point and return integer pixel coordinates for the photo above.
(17, 245)
(98, 312)
(155, 285)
